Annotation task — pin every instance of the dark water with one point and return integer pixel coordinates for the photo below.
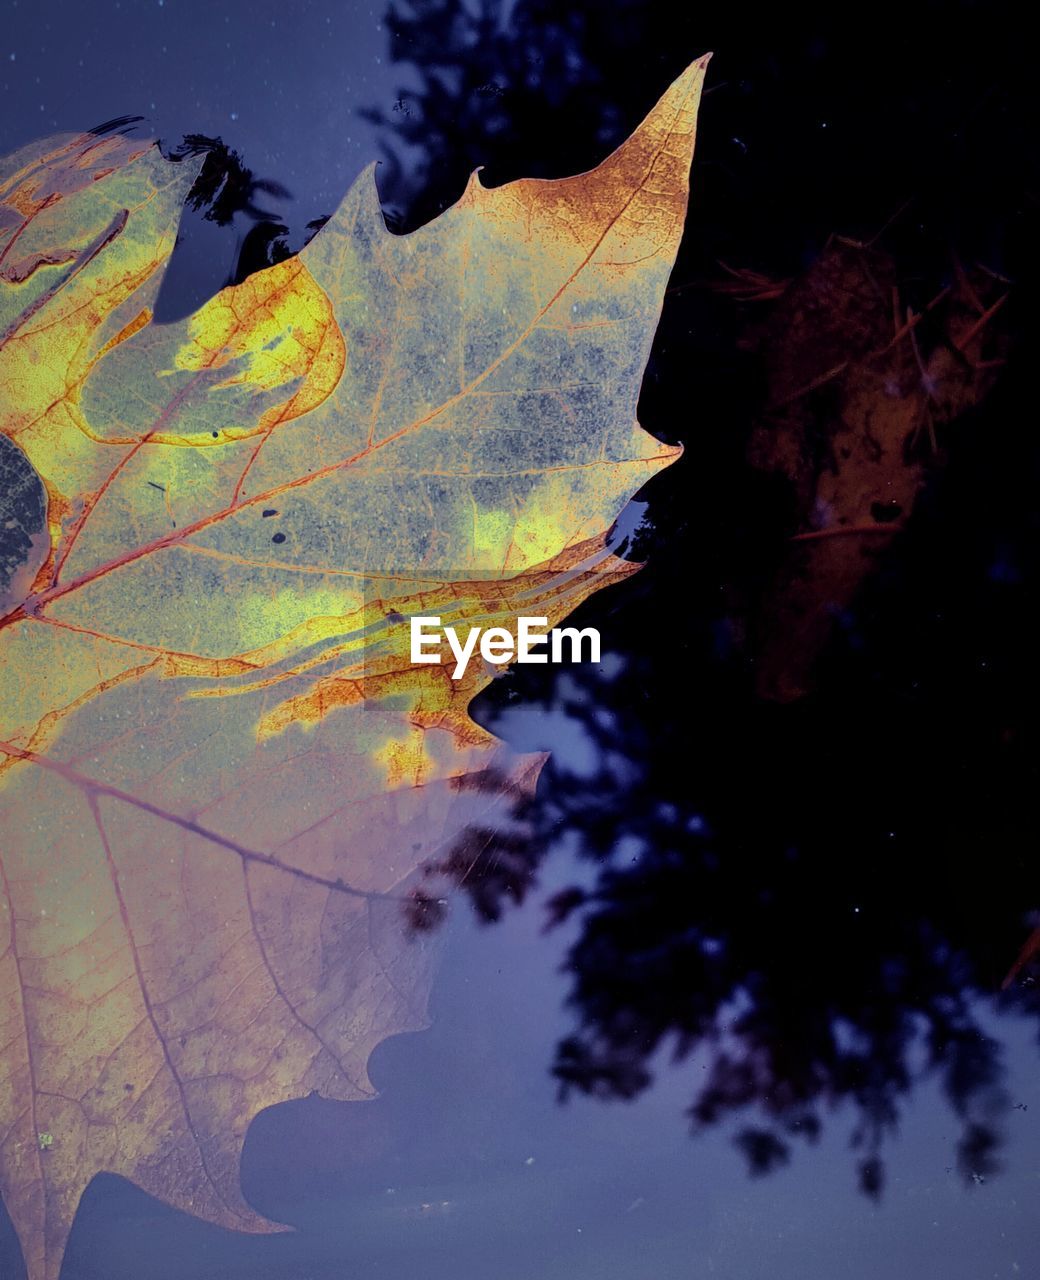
(773, 1004)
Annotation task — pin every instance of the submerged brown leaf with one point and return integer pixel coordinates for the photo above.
(859, 387)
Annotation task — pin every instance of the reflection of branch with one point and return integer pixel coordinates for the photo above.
(841, 530)
(1029, 950)
(493, 864)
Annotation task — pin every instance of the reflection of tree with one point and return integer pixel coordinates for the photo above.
(818, 897)
(781, 893)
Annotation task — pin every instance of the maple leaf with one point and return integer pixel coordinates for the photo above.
(221, 775)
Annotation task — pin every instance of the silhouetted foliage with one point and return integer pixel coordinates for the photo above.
(225, 186)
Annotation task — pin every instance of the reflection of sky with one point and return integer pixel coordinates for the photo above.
(281, 84)
(555, 727)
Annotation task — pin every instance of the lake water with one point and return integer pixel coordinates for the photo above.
(793, 919)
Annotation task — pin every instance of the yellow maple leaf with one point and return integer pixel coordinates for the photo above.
(219, 772)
